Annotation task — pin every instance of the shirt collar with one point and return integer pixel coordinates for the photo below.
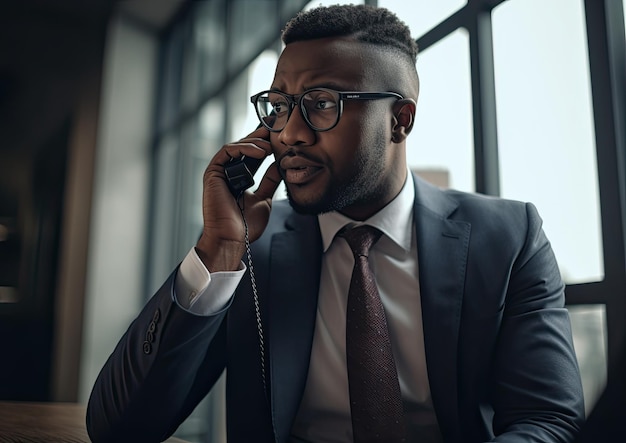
(394, 220)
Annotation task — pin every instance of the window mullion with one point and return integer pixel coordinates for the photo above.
(483, 100)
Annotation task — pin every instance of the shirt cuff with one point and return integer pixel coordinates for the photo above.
(203, 293)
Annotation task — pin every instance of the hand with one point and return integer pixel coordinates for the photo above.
(222, 243)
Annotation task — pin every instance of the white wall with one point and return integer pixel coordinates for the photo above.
(114, 289)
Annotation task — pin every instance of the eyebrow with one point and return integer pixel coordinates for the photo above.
(327, 85)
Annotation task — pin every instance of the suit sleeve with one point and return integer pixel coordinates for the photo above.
(537, 392)
(165, 363)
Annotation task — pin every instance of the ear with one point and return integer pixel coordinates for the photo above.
(403, 119)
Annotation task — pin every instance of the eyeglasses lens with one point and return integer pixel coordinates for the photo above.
(320, 108)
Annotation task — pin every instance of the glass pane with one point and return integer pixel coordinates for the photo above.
(211, 121)
(254, 25)
(442, 139)
(162, 259)
(589, 332)
(289, 8)
(422, 15)
(171, 62)
(545, 126)
(210, 42)
(190, 79)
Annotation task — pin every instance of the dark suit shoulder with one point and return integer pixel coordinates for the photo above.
(467, 206)
(478, 207)
(511, 221)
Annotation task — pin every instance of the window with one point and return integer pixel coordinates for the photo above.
(442, 139)
(546, 137)
(422, 15)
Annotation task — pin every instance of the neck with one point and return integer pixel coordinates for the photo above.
(360, 211)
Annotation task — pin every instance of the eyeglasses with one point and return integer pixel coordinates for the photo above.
(320, 107)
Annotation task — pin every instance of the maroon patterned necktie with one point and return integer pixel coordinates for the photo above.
(375, 399)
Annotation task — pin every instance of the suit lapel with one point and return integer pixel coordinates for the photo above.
(442, 257)
(294, 285)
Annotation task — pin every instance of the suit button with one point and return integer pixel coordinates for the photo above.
(147, 347)
(149, 337)
(157, 316)
(152, 326)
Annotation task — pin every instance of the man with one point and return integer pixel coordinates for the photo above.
(475, 341)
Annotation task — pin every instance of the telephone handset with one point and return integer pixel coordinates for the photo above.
(240, 173)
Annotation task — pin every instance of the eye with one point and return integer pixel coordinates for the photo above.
(324, 104)
(280, 107)
(320, 101)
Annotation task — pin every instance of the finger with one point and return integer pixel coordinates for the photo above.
(236, 150)
(269, 183)
(260, 142)
(260, 132)
(259, 137)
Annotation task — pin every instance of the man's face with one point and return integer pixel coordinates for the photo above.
(353, 168)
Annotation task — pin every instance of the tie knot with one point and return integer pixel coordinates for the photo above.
(361, 239)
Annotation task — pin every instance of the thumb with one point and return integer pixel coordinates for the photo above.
(269, 183)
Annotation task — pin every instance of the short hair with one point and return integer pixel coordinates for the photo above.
(377, 26)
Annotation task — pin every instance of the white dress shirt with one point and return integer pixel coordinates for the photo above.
(324, 413)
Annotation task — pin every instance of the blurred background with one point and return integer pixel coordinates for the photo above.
(110, 111)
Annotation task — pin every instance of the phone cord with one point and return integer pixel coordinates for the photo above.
(257, 308)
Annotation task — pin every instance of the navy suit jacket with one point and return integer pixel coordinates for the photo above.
(497, 337)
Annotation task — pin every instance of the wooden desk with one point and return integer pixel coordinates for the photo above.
(45, 422)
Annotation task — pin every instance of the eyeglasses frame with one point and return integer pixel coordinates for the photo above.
(296, 100)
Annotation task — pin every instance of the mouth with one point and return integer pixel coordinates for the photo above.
(297, 170)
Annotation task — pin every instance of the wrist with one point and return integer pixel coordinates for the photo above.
(220, 258)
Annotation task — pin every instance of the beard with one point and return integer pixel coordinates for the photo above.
(365, 185)
(334, 200)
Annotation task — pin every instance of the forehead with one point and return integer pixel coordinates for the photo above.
(342, 62)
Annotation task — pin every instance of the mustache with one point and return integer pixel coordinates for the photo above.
(294, 152)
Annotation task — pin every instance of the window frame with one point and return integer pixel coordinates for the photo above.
(606, 47)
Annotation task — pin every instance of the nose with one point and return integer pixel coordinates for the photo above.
(296, 132)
